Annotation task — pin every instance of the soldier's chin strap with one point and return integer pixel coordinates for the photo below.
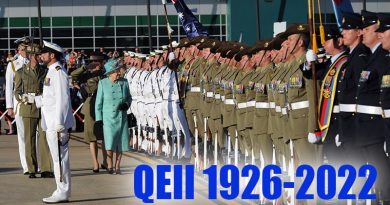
(295, 45)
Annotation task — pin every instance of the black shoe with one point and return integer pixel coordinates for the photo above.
(47, 175)
(32, 176)
(110, 170)
(103, 166)
(26, 173)
(95, 170)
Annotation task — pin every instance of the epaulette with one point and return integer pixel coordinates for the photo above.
(58, 68)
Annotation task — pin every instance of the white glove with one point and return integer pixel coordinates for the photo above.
(60, 128)
(337, 140)
(311, 56)
(38, 101)
(311, 137)
(164, 1)
(171, 56)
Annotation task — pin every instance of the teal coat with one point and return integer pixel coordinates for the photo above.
(115, 128)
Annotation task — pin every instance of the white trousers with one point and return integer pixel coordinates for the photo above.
(180, 122)
(63, 188)
(21, 143)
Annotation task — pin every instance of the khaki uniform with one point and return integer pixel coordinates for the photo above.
(258, 115)
(30, 81)
(193, 95)
(299, 113)
(228, 109)
(91, 80)
(240, 83)
(217, 105)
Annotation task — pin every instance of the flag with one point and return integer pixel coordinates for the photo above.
(341, 6)
(190, 23)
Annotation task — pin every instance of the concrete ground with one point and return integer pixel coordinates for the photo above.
(87, 187)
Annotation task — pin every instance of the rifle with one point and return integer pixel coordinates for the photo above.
(169, 30)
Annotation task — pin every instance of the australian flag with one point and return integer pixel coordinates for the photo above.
(341, 6)
(190, 23)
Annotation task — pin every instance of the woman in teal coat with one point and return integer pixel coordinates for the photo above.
(112, 101)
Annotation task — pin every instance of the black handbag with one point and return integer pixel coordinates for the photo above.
(98, 130)
(131, 120)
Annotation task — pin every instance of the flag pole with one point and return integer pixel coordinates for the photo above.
(149, 26)
(40, 23)
(313, 68)
(171, 49)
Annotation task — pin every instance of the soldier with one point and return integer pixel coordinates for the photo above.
(347, 88)
(384, 34)
(257, 115)
(241, 81)
(28, 84)
(370, 129)
(86, 78)
(11, 103)
(328, 73)
(57, 118)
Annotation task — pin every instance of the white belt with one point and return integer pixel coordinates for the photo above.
(371, 110)
(241, 105)
(299, 105)
(284, 111)
(336, 109)
(263, 105)
(195, 89)
(386, 113)
(217, 96)
(209, 94)
(223, 98)
(278, 109)
(347, 107)
(229, 102)
(251, 103)
(272, 105)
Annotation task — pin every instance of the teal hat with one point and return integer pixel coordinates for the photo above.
(111, 65)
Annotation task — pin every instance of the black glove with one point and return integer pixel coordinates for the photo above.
(174, 64)
(123, 107)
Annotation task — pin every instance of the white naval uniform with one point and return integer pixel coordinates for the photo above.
(57, 110)
(175, 112)
(12, 103)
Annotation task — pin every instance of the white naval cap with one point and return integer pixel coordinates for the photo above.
(175, 44)
(157, 52)
(152, 53)
(51, 47)
(164, 47)
(131, 54)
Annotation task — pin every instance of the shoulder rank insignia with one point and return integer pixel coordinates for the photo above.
(58, 68)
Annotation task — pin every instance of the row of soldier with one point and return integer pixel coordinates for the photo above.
(218, 101)
(244, 102)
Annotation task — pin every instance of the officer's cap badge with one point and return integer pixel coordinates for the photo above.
(301, 27)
